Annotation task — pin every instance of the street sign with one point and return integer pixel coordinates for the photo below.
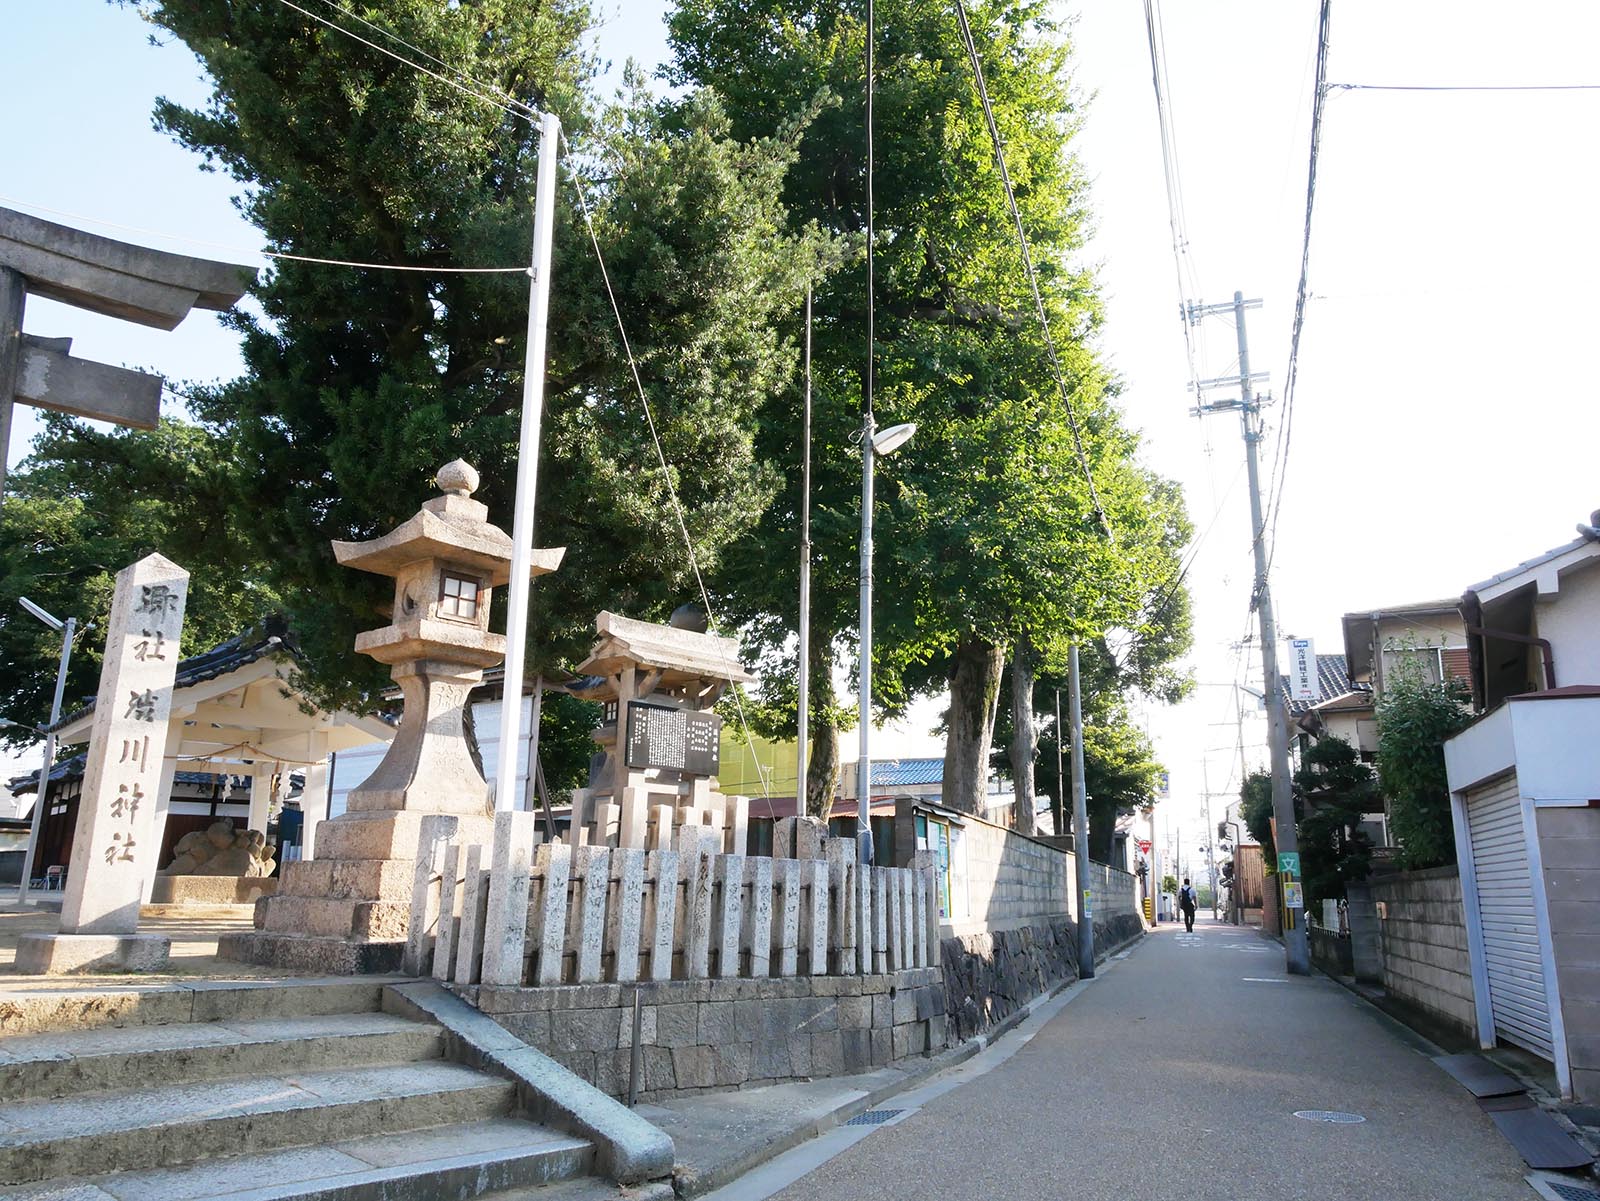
(1088, 903)
(1164, 785)
(1144, 846)
(1288, 863)
(1294, 894)
(1303, 671)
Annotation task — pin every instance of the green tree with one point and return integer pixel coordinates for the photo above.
(986, 535)
(1255, 810)
(360, 383)
(1334, 790)
(84, 505)
(1415, 719)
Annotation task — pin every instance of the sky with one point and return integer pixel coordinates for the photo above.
(1446, 417)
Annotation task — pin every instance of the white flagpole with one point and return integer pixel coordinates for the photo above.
(505, 791)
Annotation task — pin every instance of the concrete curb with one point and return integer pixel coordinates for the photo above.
(909, 1077)
(628, 1149)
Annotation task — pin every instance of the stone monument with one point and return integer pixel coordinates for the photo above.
(348, 909)
(114, 846)
(659, 740)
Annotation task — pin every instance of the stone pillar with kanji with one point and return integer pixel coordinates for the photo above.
(115, 842)
(348, 909)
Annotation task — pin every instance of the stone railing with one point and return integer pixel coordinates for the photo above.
(523, 912)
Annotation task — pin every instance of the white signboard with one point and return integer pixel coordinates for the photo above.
(1303, 671)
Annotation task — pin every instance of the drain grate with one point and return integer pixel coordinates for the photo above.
(874, 1117)
(1337, 1117)
(1562, 1188)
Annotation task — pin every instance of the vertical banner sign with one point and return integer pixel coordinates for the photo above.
(1164, 785)
(1302, 670)
(115, 843)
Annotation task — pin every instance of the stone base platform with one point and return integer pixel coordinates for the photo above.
(320, 955)
(65, 954)
(211, 890)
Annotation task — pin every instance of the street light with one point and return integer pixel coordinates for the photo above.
(873, 442)
(68, 630)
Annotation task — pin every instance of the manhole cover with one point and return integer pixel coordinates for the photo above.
(1562, 1188)
(874, 1117)
(1338, 1117)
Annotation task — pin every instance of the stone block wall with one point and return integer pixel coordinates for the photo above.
(1569, 845)
(1424, 939)
(708, 1035)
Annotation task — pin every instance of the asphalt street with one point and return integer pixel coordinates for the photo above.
(1177, 1074)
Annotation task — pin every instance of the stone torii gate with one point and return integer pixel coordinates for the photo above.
(102, 275)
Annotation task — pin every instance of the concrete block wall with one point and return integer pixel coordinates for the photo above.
(1014, 881)
(712, 1035)
(1424, 939)
(1569, 845)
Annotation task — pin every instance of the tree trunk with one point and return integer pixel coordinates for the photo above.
(974, 695)
(1024, 735)
(822, 772)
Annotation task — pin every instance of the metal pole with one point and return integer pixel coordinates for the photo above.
(1211, 843)
(68, 631)
(505, 783)
(1080, 824)
(1296, 953)
(864, 765)
(1155, 872)
(1060, 813)
(13, 296)
(868, 429)
(803, 715)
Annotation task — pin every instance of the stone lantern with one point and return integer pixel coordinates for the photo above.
(347, 910)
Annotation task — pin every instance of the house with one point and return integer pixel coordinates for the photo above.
(1343, 710)
(1524, 782)
(1430, 634)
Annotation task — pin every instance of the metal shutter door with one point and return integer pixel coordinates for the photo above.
(1505, 910)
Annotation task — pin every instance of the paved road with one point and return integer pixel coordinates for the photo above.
(1176, 1075)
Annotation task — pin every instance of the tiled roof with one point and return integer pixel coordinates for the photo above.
(1332, 681)
(903, 773)
(72, 769)
(270, 637)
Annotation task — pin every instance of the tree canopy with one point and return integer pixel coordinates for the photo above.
(986, 535)
(1415, 718)
(359, 384)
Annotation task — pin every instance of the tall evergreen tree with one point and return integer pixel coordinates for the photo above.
(360, 383)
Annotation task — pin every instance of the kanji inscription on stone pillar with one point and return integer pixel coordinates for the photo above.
(115, 846)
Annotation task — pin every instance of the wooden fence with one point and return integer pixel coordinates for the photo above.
(525, 912)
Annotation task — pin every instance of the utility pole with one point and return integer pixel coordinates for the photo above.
(1211, 840)
(802, 714)
(1296, 952)
(1080, 825)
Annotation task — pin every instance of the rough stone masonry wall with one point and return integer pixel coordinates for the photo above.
(1424, 936)
(989, 976)
(707, 1035)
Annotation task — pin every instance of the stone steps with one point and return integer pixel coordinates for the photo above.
(39, 1010)
(46, 1066)
(500, 1158)
(139, 1129)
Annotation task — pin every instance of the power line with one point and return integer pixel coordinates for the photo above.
(473, 91)
(1027, 263)
(1465, 87)
(1286, 429)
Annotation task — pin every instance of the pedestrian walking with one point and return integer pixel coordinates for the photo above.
(1188, 902)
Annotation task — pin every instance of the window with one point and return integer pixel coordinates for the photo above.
(458, 597)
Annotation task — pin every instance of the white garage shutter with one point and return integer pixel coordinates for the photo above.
(1506, 911)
